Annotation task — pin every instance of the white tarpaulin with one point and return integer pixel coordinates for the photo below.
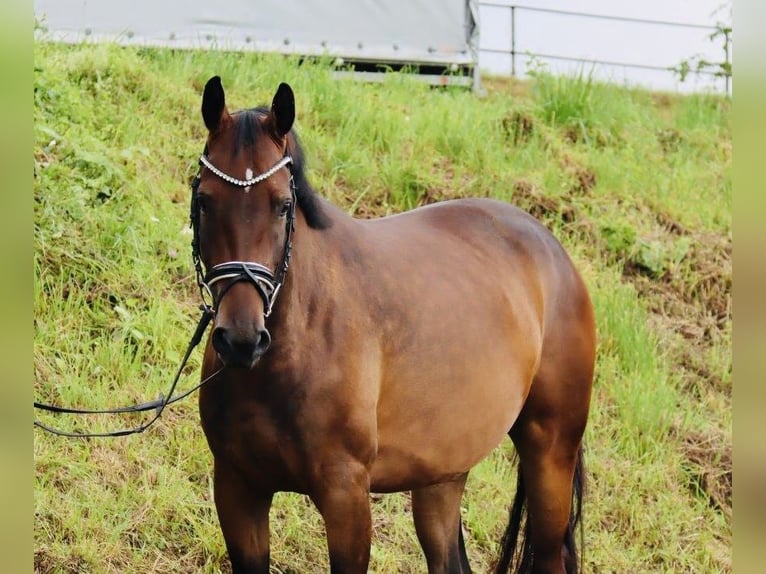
(408, 31)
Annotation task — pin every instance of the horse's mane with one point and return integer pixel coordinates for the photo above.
(247, 131)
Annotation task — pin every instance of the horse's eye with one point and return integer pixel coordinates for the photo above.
(202, 203)
(285, 208)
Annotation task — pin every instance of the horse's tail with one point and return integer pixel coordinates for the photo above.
(521, 560)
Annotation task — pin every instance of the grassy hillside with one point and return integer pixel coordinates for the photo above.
(636, 185)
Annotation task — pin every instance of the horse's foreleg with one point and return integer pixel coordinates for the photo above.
(341, 493)
(244, 516)
(436, 510)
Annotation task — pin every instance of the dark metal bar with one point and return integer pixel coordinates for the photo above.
(727, 76)
(600, 62)
(599, 16)
(513, 41)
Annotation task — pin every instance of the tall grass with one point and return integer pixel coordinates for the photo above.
(117, 132)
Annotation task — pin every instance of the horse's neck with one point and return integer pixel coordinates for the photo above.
(317, 273)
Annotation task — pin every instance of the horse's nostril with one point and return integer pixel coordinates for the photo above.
(263, 341)
(237, 352)
(221, 341)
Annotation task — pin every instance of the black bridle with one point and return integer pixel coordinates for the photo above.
(266, 283)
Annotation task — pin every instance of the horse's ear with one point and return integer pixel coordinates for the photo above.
(213, 103)
(283, 110)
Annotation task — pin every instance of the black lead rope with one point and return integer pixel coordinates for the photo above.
(158, 405)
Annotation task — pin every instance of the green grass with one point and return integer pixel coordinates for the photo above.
(636, 185)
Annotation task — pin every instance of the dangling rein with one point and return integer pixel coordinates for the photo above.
(158, 405)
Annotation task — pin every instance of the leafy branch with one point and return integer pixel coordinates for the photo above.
(697, 64)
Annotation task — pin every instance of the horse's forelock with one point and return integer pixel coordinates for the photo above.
(248, 129)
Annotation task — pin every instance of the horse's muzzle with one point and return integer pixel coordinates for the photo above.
(240, 352)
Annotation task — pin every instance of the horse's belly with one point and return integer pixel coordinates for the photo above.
(442, 428)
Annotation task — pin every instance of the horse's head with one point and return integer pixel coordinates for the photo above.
(243, 208)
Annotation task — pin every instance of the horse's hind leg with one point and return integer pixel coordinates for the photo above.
(436, 510)
(547, 478)
(548, 438)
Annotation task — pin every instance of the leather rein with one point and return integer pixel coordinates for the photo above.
(266, 283)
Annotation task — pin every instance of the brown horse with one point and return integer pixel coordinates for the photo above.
(394, 355)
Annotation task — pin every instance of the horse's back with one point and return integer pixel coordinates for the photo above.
(493, 245)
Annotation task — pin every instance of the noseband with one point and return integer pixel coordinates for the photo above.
(266, 283)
